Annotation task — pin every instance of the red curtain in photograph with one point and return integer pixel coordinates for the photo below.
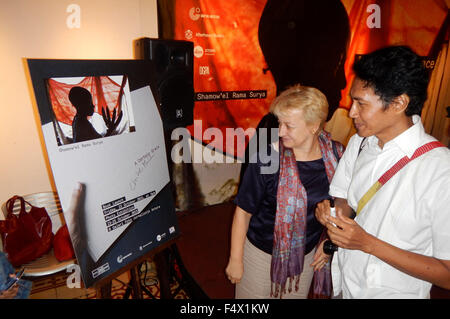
(105, 94)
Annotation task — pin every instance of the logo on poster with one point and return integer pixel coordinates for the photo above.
(194, 13)
(188, 34)
(160, 237)
(145, 245)
(209, 35)
(203, 70)
(121, 258)
(210, 51)
(198, 51)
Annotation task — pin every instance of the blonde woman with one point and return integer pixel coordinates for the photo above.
(276, 241)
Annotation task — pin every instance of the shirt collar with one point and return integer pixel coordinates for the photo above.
(409, 140)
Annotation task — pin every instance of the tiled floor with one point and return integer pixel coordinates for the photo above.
(204, 247)
(56, 286)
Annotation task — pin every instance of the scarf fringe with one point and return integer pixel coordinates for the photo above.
(322, 289)
(276, 288)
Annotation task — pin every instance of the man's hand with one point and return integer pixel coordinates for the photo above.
(323, 212)
(323, 209)
(73, 217)
(347, 233)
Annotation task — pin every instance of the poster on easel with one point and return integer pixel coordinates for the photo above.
(103, 131)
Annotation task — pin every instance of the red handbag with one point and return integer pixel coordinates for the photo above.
(25, 236)
(62, 245)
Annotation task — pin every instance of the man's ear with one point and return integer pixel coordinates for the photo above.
(400, 103)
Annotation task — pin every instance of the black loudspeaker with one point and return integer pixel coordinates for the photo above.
(174, 65)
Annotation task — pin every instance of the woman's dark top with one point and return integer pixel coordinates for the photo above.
(257, 195)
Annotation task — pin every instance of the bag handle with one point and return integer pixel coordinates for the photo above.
(10, 205)
(11, 219)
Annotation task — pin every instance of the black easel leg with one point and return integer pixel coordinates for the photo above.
(136, 283)
(105, 291)
(162, 268)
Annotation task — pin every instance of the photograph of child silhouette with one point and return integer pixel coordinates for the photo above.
(91, 107)
(82, 129)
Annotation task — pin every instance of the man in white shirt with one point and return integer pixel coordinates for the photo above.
(399, 243)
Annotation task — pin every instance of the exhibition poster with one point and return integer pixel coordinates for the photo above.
(102, 129)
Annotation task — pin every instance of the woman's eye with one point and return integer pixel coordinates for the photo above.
(288, 126)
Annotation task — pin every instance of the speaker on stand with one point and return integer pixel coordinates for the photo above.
(174, 65)
(173, 62)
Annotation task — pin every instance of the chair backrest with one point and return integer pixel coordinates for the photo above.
(46, 264)
(49, 200)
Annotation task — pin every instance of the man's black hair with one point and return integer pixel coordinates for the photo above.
(392, 71)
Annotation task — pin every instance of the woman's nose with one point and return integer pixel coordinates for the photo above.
(281, 130)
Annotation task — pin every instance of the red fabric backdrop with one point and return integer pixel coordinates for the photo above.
(227, 32)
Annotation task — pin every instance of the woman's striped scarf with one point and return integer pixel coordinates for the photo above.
(290, 222)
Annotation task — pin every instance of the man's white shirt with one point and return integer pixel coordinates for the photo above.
(411, 211)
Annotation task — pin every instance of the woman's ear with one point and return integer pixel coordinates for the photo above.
(316, 128)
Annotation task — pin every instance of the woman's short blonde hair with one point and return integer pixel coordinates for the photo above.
(310, 100)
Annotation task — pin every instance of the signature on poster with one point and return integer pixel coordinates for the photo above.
(140, 166)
